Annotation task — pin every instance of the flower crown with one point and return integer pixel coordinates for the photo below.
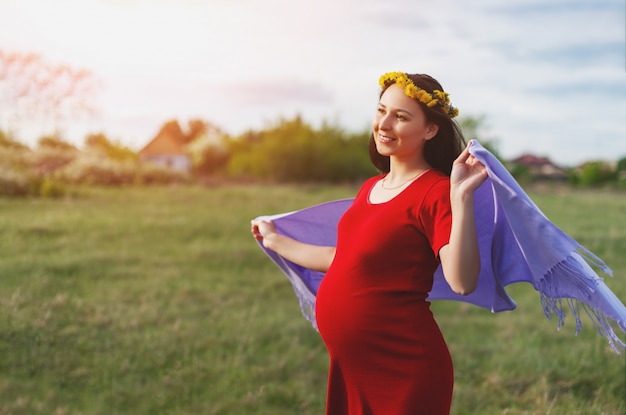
(413, 91)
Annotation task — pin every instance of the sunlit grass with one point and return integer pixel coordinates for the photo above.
(158, 301)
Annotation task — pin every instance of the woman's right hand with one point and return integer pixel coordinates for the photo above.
(314, 257)
(261, 229)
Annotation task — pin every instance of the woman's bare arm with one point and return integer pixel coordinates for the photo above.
(317, 258)
(460, 258)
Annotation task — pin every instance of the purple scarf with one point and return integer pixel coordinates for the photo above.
(517, 244)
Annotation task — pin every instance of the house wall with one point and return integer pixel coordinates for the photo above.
(180, 162)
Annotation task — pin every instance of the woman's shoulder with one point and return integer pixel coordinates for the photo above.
(438, 174)
(435, 180)
(432, 190)
(432, 199)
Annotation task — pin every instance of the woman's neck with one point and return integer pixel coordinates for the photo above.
(402, 171)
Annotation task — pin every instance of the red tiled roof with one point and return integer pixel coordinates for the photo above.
(163, 144)
(531, 160)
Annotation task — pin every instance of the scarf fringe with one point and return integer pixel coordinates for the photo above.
(594, 260)
(306, 299)
(571, 273)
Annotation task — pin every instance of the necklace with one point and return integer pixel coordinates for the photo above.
(382, 183)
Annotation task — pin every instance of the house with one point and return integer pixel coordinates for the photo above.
(541, 167)
(168, 149)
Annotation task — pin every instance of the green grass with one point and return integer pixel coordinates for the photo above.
(158, 301)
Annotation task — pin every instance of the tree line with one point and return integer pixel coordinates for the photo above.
(289, 151)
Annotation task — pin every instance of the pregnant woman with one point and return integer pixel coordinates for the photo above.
(387, 354)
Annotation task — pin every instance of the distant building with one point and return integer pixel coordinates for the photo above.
(167, 149)
(540, 168)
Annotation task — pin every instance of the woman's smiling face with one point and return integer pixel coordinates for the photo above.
(400, 126)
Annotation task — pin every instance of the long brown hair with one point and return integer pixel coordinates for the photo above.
(441, 150)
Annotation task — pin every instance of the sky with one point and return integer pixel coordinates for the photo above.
(548, 78)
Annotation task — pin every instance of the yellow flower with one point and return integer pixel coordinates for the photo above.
(413, 91)
(424, 97)
(442, 96)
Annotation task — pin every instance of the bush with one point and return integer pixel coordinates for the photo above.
(594, 174)
(47, 159)
(93, 169)
(51, 188)
(90, 169)
(15, 158)
(153, 173)
(14, 182)
(19, 178)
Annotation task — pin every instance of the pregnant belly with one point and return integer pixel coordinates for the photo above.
(380, 319)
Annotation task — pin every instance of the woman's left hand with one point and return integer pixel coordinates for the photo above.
(467, 172)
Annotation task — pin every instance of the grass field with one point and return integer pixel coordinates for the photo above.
(158, 301)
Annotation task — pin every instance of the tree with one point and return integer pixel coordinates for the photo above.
(620, 172)
(52, 153)
(197, 128)
(621, 165)
(33, 89)
(293, 151)
(208, 146)
(54, 141)
(595, 173)
(99, 143)
(7, 141)
(474, 129)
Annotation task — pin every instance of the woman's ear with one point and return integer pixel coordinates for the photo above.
(431, 130)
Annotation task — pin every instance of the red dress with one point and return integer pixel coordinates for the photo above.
(387, 354)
